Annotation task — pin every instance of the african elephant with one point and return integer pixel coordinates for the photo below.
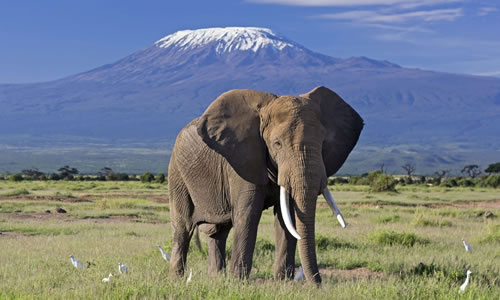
(228, 165)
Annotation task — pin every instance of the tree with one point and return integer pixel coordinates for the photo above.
(67, 172)
(493, 168)
(438, 175)
(471, 170)
(32, 173)
(16, 177)
(160, 178)
(147, 177)
(409, 168)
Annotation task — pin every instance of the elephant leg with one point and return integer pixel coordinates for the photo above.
(180, 247)
(217, 250)
(246, 217)
(181, 209)
(284, 262)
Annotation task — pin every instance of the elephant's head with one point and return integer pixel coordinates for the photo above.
(306, 139)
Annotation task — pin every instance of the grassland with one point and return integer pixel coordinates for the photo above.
(404, 245)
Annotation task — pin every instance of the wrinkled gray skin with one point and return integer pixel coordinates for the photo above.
(227, 164)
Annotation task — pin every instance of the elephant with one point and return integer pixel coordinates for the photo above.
(235, 160)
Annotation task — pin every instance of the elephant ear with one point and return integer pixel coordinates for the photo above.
(342, 123)
(231, 127)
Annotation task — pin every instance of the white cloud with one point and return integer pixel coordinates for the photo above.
(368, 16)
(483, 11)
(401, 3)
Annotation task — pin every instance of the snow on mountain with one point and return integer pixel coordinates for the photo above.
(227, 39)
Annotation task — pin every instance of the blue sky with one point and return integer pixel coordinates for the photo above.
(50, 39)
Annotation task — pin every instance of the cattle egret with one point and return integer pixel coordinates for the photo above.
(122, 268)
(107, 279)
(190, 276)
(164, 254)
(467, 247)
(464, 285)
(76, 263)
(300, 275)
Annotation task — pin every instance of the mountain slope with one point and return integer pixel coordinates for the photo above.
(154, 92)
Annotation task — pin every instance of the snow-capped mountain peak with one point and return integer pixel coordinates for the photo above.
(227, 39)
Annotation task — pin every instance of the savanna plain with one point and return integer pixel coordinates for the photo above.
(398, 245)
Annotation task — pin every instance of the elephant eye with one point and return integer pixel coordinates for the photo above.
(277, 144)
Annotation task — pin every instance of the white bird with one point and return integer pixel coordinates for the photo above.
(300, 275)
(467, 247)
(164, 254)
(76, 263)
(464, 285)
(122, 268)
(107, 279)
(190, 276)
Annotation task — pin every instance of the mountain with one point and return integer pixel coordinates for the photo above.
(438, 120)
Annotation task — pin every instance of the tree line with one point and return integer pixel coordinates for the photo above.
(72, 174)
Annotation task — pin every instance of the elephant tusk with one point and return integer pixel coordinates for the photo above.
(329, 199)
(285, 212)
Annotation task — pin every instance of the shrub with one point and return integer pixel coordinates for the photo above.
(147, 177)
(384, 237)
(420, 220)
(493, 181)
(264, 247)
(373, 175)
(465, 182)
(383, 183)
(388, 219)
(449, 182)
(160, 178)
(54, 176)
(18, 192)
(111, 176)
(16, 177)
(327, 243)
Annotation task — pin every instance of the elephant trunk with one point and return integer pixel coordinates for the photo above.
(305, 211)
(305, 182)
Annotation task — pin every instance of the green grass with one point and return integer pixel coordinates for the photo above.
(401, 238)
(384, 237)
(18, 192)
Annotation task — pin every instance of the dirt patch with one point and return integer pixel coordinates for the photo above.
(494, 204)
(37, 216)
(46, 198)
(67, 218)
(155, 198)
(11, 234)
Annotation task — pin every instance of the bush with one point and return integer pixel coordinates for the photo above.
(383, 183)
(111, 176)
(465, 182)
(16, 177)
(264, 247)
(493, 181)
(160, 178)
(54, 176)
(388, 219)
(372, 176)
(384, 237)
(324, 243)
(18, 192)
(420, 220)
(147, 177)
(449, 182)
